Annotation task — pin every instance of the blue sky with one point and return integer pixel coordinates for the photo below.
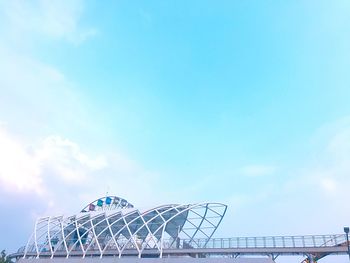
(241, 102)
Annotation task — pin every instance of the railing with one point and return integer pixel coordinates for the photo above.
(329, 243)
(268, 242)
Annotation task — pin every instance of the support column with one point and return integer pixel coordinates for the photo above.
(311, 258)
(273, 257)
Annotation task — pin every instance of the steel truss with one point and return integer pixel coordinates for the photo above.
(124, 230)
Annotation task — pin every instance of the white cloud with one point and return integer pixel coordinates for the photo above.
(67, 160)
(322, 184)
(22, 167)
(43, 174)
(332, 162)
(258, 170)
(308, 198)
(327, 167)
(329, 185)
(339, 146)
(55, 147)
(18, 169)
(57, 19)
(36, 97)
(66, 177)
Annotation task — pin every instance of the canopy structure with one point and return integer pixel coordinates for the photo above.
(112, 226)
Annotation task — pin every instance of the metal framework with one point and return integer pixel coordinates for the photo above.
(112, 226)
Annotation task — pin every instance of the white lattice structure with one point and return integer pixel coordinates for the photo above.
(112, 226)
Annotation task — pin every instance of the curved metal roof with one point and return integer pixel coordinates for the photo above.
(121, 229)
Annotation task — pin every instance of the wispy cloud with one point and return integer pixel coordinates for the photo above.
(18, 170)
(329, 185)
(67, 160)
(54, 19)
(59, 171)
(330, 164)
(312, 191)
(37, 100)
(30, 87)
(54, 175)
(258, 170)
(22, 166)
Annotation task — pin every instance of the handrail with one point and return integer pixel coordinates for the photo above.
(317, 246)
(273, 241)
(309, 241)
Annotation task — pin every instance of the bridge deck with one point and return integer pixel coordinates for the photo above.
(273, 245)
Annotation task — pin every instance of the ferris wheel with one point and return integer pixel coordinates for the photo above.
(107, 203)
